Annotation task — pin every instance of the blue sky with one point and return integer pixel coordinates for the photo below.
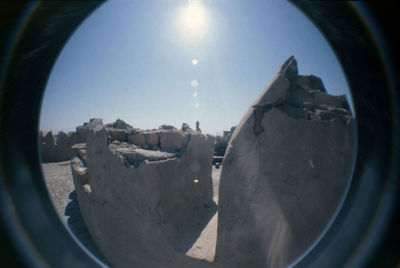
(134, 60)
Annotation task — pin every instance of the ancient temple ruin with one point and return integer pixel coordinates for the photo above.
(137, 189)
(284, 174)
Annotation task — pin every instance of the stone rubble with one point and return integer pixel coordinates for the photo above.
(56, 148)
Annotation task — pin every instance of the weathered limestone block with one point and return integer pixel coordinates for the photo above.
(135, 201)
(137, 139)
(152, 139)
(118, 134)
(284, 174)
(58, 148)
(173, 140)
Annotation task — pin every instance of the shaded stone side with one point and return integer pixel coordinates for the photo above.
(56, 148)
(135, 201)
(285, 172)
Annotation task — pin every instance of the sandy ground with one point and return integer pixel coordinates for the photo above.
(204, 247)
(58, 178)
(59, 182)
(60, 185)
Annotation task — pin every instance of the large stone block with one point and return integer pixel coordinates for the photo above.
(173, 140)
(135, 201)
(152, 139)
(58, 148)
(137, 139)
(284, 175)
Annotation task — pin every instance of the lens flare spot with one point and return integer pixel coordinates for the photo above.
(195, 94)
(194, 83)
(195, 61)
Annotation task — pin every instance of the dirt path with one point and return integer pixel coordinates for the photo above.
(204, 247)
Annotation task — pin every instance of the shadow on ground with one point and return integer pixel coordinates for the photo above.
(78, 227)
(182, 242)
(188, 235)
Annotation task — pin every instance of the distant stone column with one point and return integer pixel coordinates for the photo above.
(198, 127)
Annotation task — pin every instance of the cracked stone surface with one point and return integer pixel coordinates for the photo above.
(137, 199)
(58, 178)
(285, 172)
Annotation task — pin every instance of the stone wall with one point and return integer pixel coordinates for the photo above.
(55, 148)
(137, 189)
(285, 172)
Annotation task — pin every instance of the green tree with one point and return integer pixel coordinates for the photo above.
(220, 148)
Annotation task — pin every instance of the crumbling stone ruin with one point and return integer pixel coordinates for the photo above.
(285, 172)
(55, 148)
(138, 188)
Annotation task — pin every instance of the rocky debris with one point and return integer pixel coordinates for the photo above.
(167, 127)
(119, 130)
(131, 155)
(285, 172)
(186, 127)
(152, 139)
(166, 138)
(119, 124)
(135, 201)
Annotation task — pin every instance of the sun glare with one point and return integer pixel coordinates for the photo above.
(194, 20)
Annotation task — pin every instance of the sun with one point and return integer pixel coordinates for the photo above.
(194, 20)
